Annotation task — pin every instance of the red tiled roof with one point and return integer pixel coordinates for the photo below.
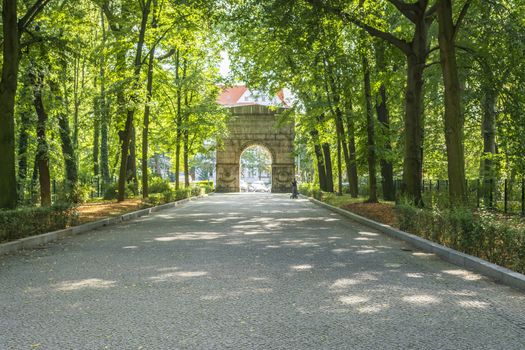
(231, 96)
(280, 95)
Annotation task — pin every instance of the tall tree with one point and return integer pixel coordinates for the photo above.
(383, 116)
(416, 50)
(370, 131)
(103, 108)
(126, 133)
(8, 86)
(454, 120)
(42, 154)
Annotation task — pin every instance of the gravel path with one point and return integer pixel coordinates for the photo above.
(246, 271)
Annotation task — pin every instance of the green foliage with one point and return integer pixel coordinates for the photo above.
(29, 221)
(183, 193)
(197, 191)
(311, 190)
(480, 234)
(77, 195)
(111, 191)
(208, 189)
(159, 185)
(203, 183)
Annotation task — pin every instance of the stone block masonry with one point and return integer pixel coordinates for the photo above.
(250, 126)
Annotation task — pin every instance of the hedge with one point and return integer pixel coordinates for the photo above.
(30, 221)
(176, 195)
(476, 233)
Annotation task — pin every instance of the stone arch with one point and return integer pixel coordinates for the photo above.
(256, 125)
(249, 144)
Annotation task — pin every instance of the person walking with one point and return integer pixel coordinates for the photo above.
(295, 193)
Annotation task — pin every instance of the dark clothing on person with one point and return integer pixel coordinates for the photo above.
(295, 194)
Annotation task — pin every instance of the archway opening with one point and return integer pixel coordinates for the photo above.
(256, 169)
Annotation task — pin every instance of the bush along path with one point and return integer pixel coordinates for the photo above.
(25, 222)
(485, 234)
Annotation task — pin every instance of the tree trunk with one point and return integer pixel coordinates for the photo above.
(78, 89)
(383, 116)
(104, 111)
(8, 85)
(342, 139)
(413, 160)
(352, 165)
(145, 125)
(186, 158)
(68, 152)
(488, 132)
(34, 180)
(328, 167)
(453, 115)
(185, 131)
(124, 148)
(128, 128)
(321, 170)
(387, 172)
(96, 135)
(23, 138)
(178, 120)
(68, 149)
(76, 100)
(124, 144)
(339, 167)
(132, 161)
(42, 154)
(335, 102)
(23, 143)
(370, 130)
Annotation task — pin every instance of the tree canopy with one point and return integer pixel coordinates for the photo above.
(384, 90)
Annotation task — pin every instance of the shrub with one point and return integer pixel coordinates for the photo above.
(203, 183)
(208, 189)
(170, 195)
(197, 191)
(159, 185)
(112, 191)
(30, 221)
(182, 193)
(77, 195)
(479, 234)
(305, 189)
(310, 190)
(154, 199)
(317, 194)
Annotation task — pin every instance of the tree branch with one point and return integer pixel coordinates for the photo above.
(158, 41)
(461, 17)
(432, 10)
(435, 48)
(346, 17)
(167, 55)
(30, 15)
(432, 64)
(408, 10)
(399, 43)
(113, 25)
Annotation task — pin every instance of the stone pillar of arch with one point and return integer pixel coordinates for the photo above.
(256, 125)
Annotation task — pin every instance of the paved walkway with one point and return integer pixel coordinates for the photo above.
(248, 272)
